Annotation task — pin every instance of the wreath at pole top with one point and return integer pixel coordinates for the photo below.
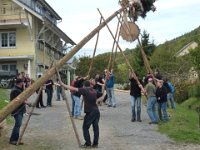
(138, 7)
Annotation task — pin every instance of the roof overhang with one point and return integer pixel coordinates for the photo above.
(49, 8)
(58, 31)
(28, 9)
(19, 57)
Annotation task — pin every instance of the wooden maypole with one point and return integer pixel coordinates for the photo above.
(50, 72)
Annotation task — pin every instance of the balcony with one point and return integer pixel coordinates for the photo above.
(12, 18)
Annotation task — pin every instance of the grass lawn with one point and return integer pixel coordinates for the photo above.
(183, 125)
(4, 100)
(3, 97)
(192, 102)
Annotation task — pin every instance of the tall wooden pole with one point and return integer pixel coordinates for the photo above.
(113, 46)
(146, 62)
(95, 48)
(31, 89)
(69, 111)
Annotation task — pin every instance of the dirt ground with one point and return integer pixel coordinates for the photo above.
(51, 129)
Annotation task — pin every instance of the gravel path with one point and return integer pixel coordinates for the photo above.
(51, 129)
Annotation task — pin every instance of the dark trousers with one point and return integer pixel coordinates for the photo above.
(91, 118)
(40, 101)
(16, 129)
(49, 97)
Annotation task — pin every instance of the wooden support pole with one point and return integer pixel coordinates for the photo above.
(95, 48)
(69, 111)
(29, 117)
(146, 62)
(126, 60)
(113, 46)
(31, 89)
(115, 55)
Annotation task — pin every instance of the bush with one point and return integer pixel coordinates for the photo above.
(194, 90)
(181, 92)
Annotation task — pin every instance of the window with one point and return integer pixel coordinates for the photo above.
(12, 39)
(7, 39)
(4, 40)
(5, 67)
(13, 67)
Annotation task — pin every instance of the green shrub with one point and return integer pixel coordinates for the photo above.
(194, 90)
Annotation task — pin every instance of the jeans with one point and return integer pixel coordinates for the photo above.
(16, 129)
(91, 118)
(111, 96)
(151, 109)
(77, 105)
(58, 92)
(73, 104)
(170, 97)
(162, 108)
(49, 97)
(136, 101)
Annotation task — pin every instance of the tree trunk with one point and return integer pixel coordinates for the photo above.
(30, 90)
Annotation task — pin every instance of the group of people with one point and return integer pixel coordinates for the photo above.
(158, 91)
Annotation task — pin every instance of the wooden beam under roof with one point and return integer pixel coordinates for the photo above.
(58, 31)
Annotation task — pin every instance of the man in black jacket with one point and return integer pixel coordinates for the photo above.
(161, 94)
(92, 113)
(17, 113)
(135, 93)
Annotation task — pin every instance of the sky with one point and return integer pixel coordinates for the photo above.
(172, 18)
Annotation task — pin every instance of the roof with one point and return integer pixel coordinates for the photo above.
(53, 12)
(48, 23)
(185, 47)
(45, 5)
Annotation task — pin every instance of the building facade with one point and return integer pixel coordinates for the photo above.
(29, 37)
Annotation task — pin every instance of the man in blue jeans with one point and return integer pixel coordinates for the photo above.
(92, 113)
(110, 88)
(170, 92)
(151, 102)
(135, 93)
(17, 113)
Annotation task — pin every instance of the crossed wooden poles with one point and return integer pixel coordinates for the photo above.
(54, 69)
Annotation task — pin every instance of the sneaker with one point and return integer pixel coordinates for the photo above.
(153, 122)
(85, 146)
(95, 146)
(139, 120)
(132, 120)
(78, 117)
(13, 142)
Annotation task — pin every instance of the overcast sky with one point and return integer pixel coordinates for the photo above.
(172, 18)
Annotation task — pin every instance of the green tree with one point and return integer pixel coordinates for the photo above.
(195, 58)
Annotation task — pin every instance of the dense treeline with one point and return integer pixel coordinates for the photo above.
(161, 57)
